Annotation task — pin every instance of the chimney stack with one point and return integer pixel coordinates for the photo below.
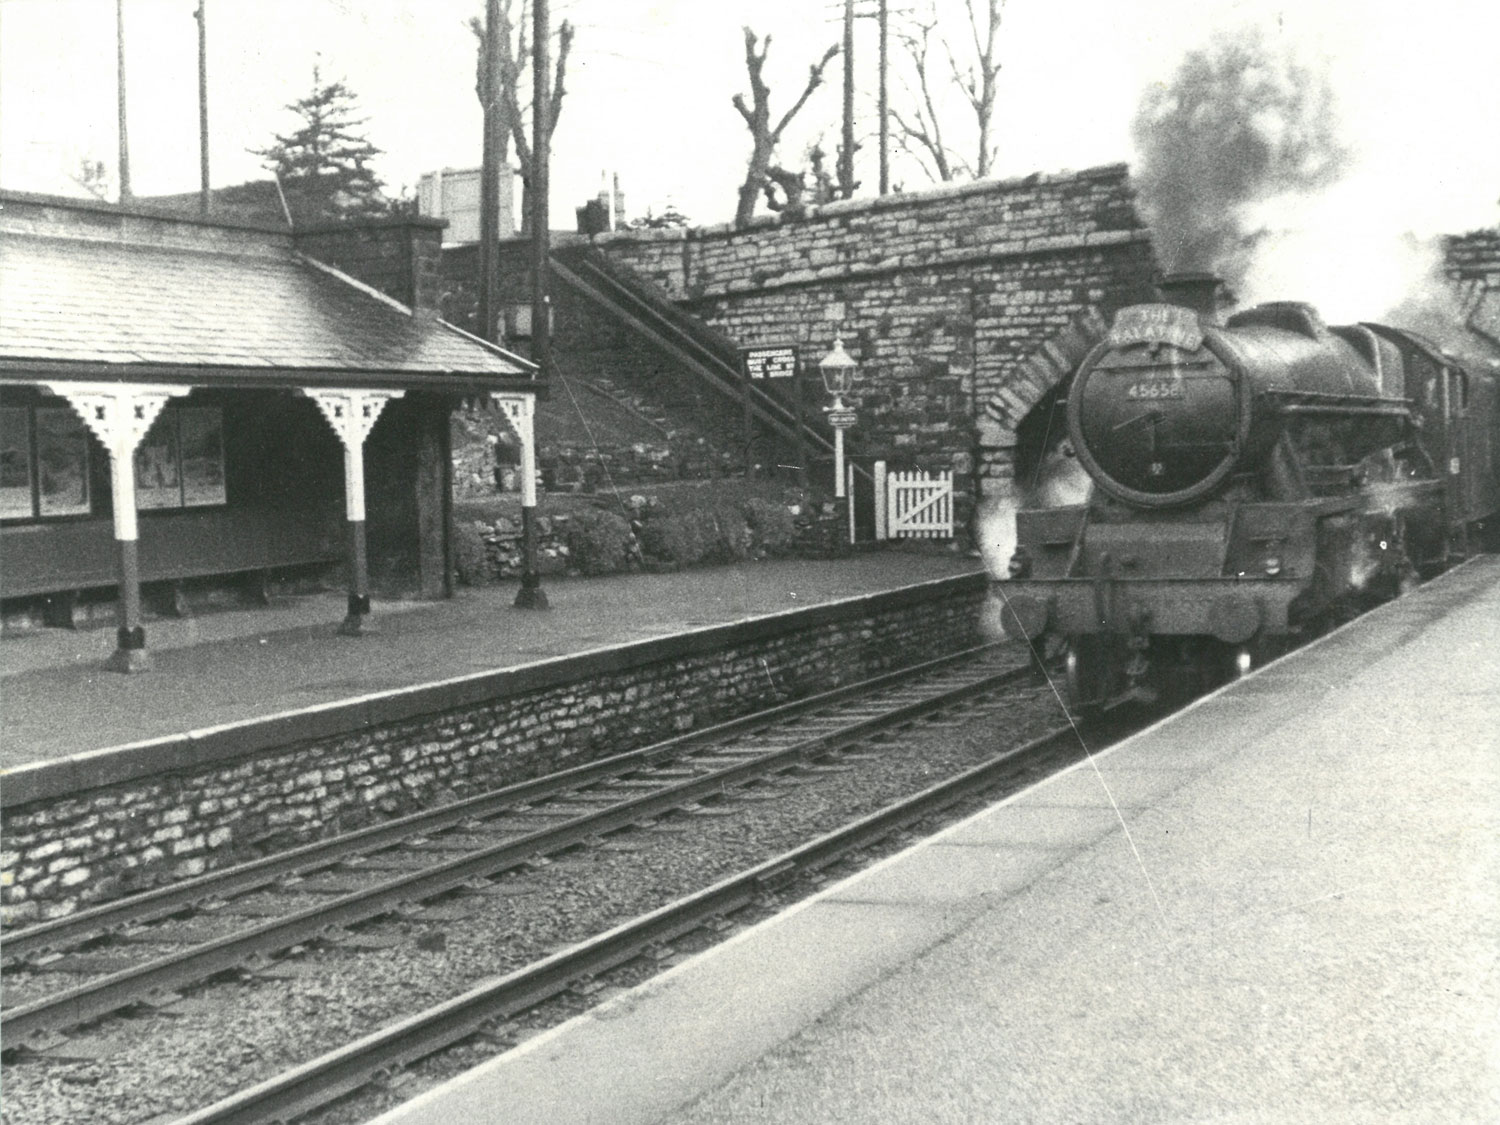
(1197, 291)
(401, 257)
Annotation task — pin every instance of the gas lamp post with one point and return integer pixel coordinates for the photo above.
(838, 369)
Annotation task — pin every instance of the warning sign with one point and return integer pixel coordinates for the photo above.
(770, 363)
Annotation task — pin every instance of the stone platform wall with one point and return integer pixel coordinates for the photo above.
(95, 827)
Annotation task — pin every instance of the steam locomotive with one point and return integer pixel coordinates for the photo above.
(1252, 483)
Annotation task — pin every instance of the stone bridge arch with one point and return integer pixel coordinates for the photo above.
(1011, 441)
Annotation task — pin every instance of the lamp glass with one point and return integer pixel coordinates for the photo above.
(838, 369)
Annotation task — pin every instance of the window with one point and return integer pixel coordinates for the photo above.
(45, 468)
(62, 462)
(15, 463)
(158, 482)
(201, 440)
(180, 462)
(44, 463)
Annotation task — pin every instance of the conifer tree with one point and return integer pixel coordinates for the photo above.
(324, 166)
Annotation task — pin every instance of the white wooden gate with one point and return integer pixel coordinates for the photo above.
(913, 505)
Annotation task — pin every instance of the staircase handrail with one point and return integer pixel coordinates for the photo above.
(644, 291)
(672, 334)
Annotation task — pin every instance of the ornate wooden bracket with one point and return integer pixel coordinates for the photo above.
(352, 414)
(520, 409)
(119, 414)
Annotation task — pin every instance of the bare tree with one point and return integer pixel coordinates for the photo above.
(921, 131)
(490, 70)
(785, 192)
(935, 65)
(501, 76)
(824, 190)
(757, 115)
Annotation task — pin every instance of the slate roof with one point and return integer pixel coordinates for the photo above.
(81, 308)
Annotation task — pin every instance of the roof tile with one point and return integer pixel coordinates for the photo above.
(93, 301)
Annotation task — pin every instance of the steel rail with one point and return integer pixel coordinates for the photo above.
(330, 1076)
(74, 929)
(165, 974)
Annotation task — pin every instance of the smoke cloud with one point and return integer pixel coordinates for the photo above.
(1240, 123)
(1242, 171)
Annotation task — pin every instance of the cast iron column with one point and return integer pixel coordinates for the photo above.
(520, 410)
(119, 417)
(352, 414)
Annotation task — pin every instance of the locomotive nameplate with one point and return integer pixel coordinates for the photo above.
(1156, 324)
(1152, 389)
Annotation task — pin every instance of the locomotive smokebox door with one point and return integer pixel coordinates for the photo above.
(1157, 415)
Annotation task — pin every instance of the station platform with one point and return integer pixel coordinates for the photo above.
(227, 666)
(1278, 905)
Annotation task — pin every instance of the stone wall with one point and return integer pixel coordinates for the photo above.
(400, 257)
(944, 298)
(489, 550)
(1472, 263)
(621, 409)
(1474, 256)
(106, 824)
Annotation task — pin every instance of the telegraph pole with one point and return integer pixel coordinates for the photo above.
(120, 95)
(846, 154)
(201, 15)
(489, 179)
(885, 127)
(531, 595)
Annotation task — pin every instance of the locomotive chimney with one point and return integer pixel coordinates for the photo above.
(1197, 291)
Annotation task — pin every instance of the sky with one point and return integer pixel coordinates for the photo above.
(650, 83)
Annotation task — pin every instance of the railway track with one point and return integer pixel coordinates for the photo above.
(316, 892)
(323, 1080)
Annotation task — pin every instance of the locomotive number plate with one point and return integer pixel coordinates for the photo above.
(1155, 389)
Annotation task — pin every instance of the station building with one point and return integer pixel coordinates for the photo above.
(188, 399)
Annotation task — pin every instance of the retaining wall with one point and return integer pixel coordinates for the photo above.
(104, 824)
(942, 296)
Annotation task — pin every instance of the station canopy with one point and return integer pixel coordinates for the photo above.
(260, 315)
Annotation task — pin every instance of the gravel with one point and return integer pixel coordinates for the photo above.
(235, 1032)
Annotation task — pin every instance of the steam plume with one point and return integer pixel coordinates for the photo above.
(1058, 480)
(1240, 123)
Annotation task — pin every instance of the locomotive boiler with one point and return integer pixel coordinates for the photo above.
(1253, 482)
